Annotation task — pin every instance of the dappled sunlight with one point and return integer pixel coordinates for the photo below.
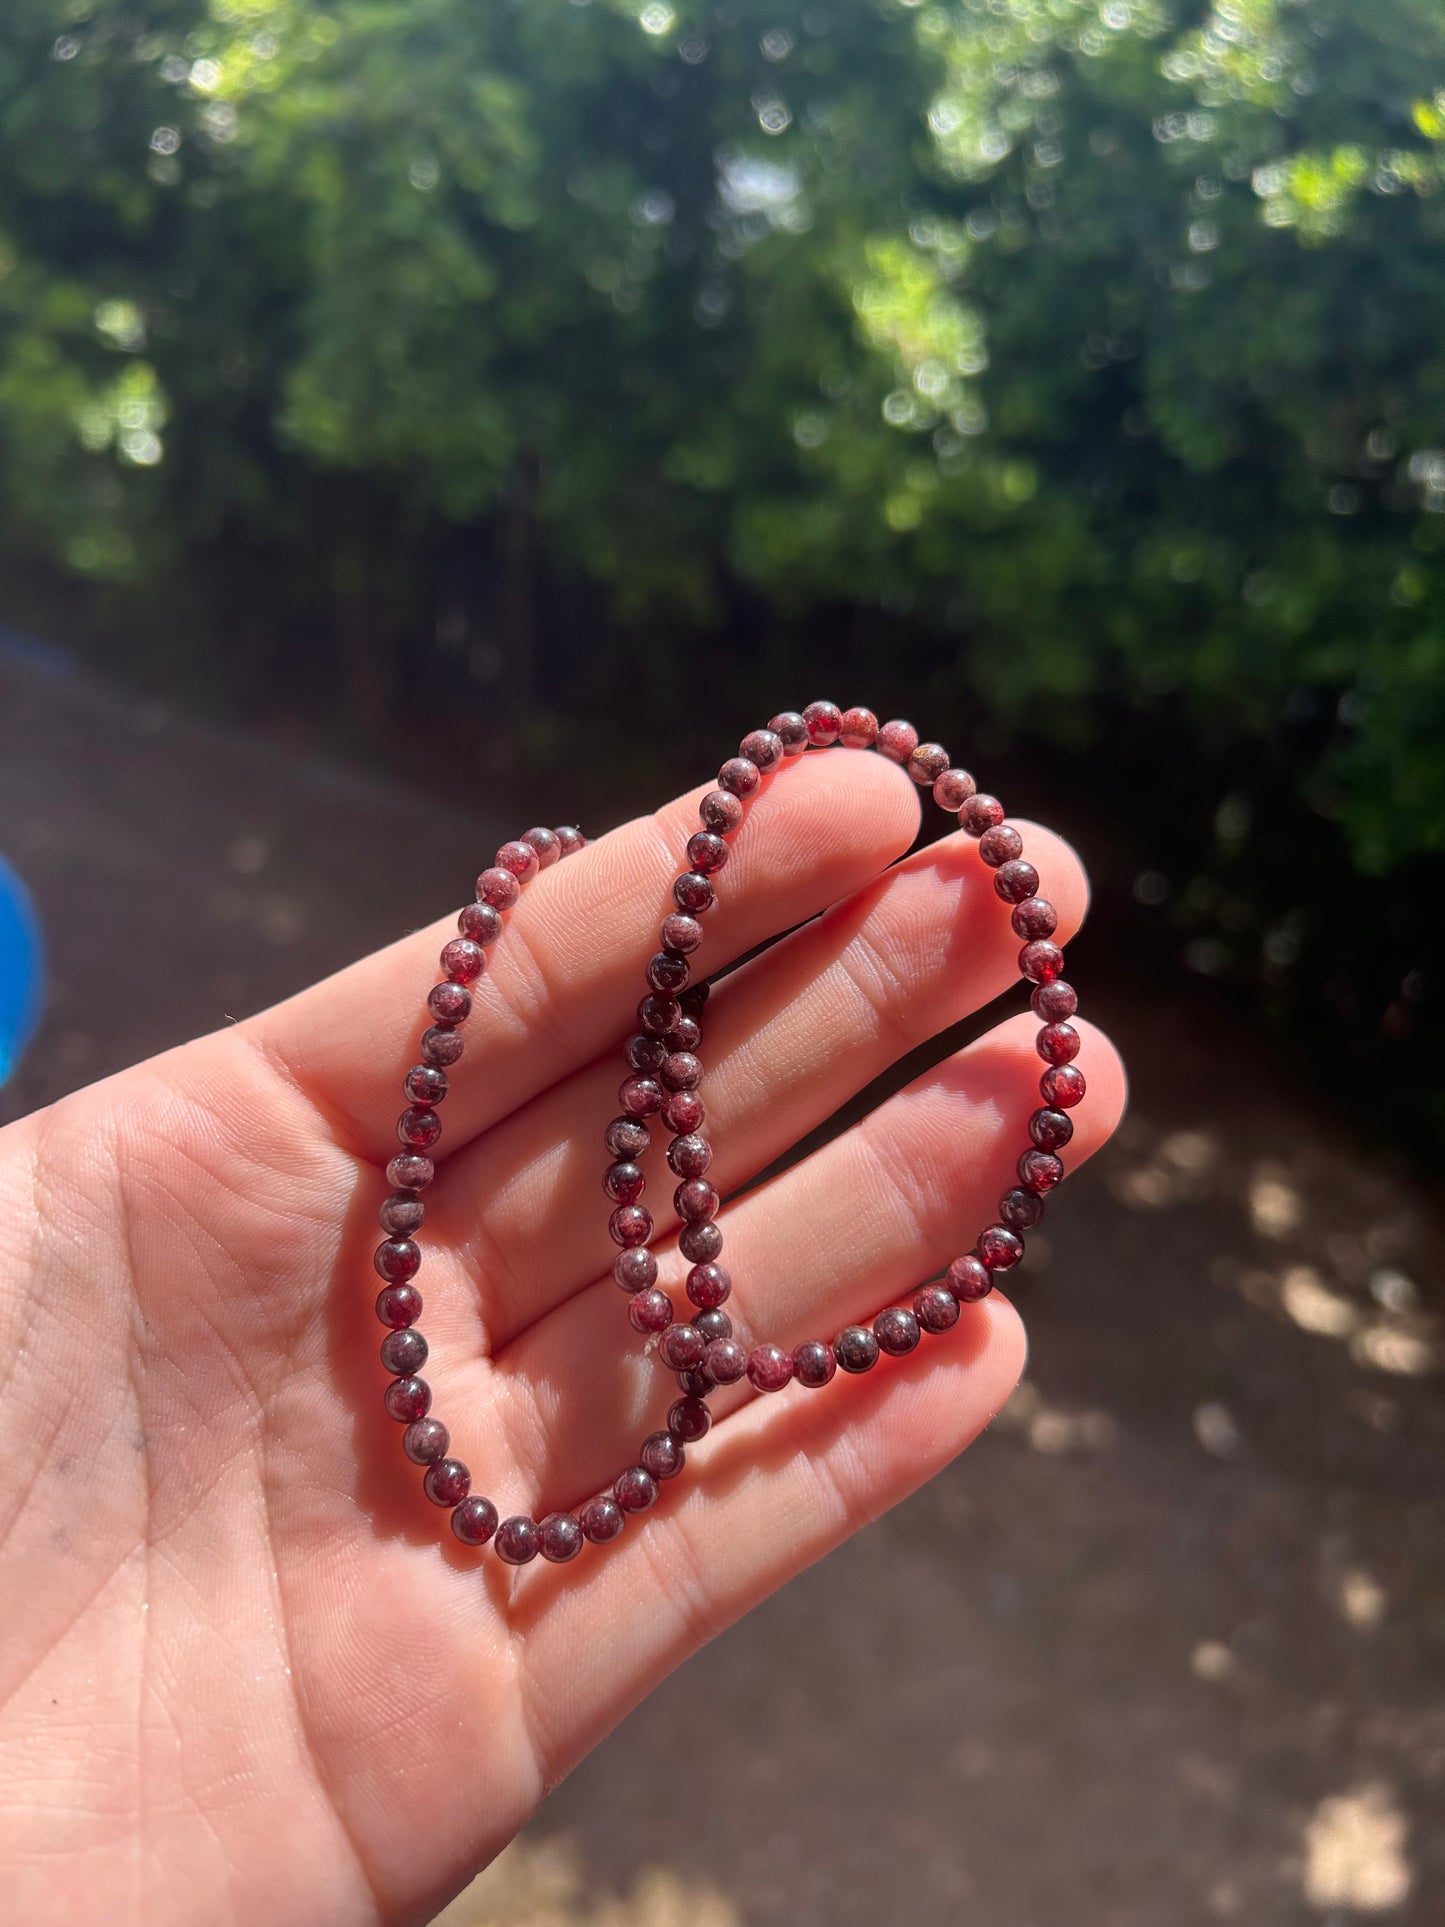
(1355, 1853)
(542, 1883)
(1054, 1430)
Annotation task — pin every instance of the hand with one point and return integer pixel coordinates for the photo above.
(248, 1675)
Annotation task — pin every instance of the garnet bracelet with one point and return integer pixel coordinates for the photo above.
(664, 1073)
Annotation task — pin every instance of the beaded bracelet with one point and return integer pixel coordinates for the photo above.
(664, 1073)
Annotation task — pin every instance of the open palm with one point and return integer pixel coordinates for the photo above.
(247, 1674)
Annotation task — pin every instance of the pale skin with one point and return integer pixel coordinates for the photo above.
(247, 1674)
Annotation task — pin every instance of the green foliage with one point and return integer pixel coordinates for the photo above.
(1100, 337)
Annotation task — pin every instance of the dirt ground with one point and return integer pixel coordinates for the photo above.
(1167, 1649)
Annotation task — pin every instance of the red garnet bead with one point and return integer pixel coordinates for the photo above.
(769, 1368)
(661, 1455)
(897, 741)
(1057, 1043)
(856, 1349)
(935, 1308)
(559, 1537)
(896, 1331)
(969, 1278)
(999, 1247)
(791, 730)
(859, 729)
(650, 1311)
(601, 1520)
(1063, 1086)
(814, 1363)
(447, 1482)
(474, 1520)
(635, 1489)
(824, 723)
(688, 1419)
(518, 1540)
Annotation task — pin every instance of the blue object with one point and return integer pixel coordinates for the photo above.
(22, 969)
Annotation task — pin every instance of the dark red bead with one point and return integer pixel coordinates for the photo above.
(680, 933)
(926, 765)
(474, 1520)
(480, 922)
(681, 1348)
(419, 1129)
(519, 858)
(814, 1363)
(570, 838)
(1016, 880)
(499, 888)
(644, 1053)
(661, 1455)
(630, 1224)
(762, 749)
(696, 1384)
(1000, 845)
(713, 1323)
(708, 1286)
(447, 1482)
(1058, 1043)
(856, 1349)
(689, 1155)
(559, 1537)
(398, 1306)
(397, 1259)
(627, 1137)
(450, 1003)
(1020, 1210)
(688, 1419)
(650, 1311)
(1041, 962)
(636, 1269)
(667, 973)
(401, 1215)
(693, 892)
(625, 1183)
(683, 1112)
(791, 730)
(981, 813)
(859, 729)
(634, 1489)
(546, 843)
(897, 741)
(463, 961)
(706, 853)
(425, 1441)
(424, 1084)
(935, 1308)
(770, 1368)
(680, 1071)
(1062, 1086)
(601, 1520)
(725, 1361)
(658, 1014)
(640, 1096)
(1040, 1171)
(407, 1399)
(695, 1201)
(1035, 917)
(1051, 1129)
(824, 721)
(720, 811)
(410, 1172)
(403, 1352)
(999, 1247)
(518, 1540)
(896, 1331)
(1054, 1002)
(953, 789)
(686, 1033)
(700, 1243)
(969, 1278)
(440, 1046)
(738, 776)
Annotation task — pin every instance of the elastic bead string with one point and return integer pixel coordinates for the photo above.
(664, 1073)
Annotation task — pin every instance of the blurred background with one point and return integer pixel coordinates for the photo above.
(423, 417)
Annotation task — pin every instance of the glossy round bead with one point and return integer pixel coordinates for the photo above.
(683, 1112)
(969, 1278)
(407, 1399)
(1041, 962)
(824, 722)
(626, 1137)
(856, 1349)
(425, 1441)
(650, 1311)
(635, 1269)
(721, 811)
(601, 1520)
(681, 1348)
(630, 1224)
(625, 1183)
(980, 813)
(397, 1259)
(999, 1247)
(896, 1331)
(559, 1537)
(546, 843)
(859, 729)
(738, 777)
(680, 933)
(419, 1129)
(1051, 1129)
(667, 973)
(658, 1013)
(474, 1520)
(401, 1215)
(700, 1243)
(640, 1096)
(707, 853)
(1016, 880)
(398, 1306)
(953, 789)
(696, 1384)
(725, 1360)
(499, 888)
(1034, 918)
(685, 1035)
(708, 1286)
(693, 892)
(635, 1489)
(897, 741)
(644, 1053)
(463, 961)
(689, 1155)
(424, 1084)
(410, 1172)
(518, 1540)
(1062, 1086)
(791, 731)
(1040, 1171)
(695, 1201)
(1054, 1002)
(480, 922)
(770, 1368)
(404, 1352)
(814, 1364)
(1000, 845)
(450, 1003)
(927, 764)
(1020, 1210)
(440, 1046)
(1057, 1043)
(935, 1308)
(713, 1323)
(762, 749)
(570, 839)
(519, 858)
(447, 1482)
(661, 1455)
(680, 1071)
(688, 1419)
